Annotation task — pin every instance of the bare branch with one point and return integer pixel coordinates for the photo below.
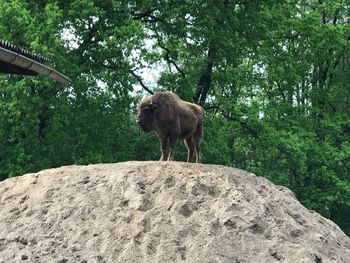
(167, 54)
(139, 79)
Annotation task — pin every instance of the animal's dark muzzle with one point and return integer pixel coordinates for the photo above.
(142, 125)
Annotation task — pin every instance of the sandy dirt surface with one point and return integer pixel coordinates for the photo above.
(160, 212)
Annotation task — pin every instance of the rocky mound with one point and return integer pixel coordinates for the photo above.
(160, 212)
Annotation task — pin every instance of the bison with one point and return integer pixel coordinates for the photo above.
(172, 118)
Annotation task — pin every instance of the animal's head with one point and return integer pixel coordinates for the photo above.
(145, 116)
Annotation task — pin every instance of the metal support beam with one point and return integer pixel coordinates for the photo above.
(12, 62)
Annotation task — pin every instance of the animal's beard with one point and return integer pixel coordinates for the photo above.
(145, 128)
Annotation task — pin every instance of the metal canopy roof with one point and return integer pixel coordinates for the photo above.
(14, 60)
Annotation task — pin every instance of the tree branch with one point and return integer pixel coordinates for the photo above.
(139, 79)
(167, 54)
(146, 16)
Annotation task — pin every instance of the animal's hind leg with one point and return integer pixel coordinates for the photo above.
(197, 136)
(197, 147)
(163, 142)
(190, 147)
(172, 141)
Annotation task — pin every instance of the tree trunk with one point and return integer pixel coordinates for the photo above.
(205, 79)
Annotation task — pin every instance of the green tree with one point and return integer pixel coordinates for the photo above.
(271, 75)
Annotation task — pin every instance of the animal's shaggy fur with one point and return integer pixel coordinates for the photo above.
(172, 118)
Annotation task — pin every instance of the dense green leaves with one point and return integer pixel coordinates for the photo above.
(273, 77)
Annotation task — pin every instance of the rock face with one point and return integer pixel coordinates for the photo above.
(160, 212)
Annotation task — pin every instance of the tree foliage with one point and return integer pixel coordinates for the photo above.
(273, 77)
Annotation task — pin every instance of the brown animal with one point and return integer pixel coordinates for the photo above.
(172, 118)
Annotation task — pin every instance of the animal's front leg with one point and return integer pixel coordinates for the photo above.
(163, 142)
